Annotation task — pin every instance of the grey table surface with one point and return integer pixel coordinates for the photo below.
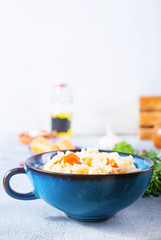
(37, 220)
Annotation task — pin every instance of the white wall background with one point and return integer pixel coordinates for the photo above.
(108, 51)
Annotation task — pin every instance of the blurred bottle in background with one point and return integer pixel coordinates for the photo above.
(62, 110)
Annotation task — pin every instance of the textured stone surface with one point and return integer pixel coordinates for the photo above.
(35, 219)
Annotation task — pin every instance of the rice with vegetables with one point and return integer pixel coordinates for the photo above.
(90, 161)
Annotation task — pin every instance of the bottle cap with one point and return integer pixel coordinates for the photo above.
(61, 85)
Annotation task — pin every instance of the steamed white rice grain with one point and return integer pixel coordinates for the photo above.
(91, 161)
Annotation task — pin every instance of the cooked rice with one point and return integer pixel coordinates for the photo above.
(91, 161)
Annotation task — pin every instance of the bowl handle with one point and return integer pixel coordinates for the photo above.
(10, 191)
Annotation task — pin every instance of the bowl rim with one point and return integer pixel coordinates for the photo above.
(89, 176)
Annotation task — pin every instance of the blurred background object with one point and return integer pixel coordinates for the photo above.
(107, 51)
(27, 137)
(109, 140)
(156, 135)
(41, 144)
(150, 115)
(61, 118)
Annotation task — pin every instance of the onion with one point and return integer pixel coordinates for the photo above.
(156, 135)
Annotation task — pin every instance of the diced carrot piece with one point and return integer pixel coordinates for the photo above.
(87, 160)
(112, 163)
(71, 158)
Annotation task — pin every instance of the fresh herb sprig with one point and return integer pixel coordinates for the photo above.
(124, 147)
(154, 187)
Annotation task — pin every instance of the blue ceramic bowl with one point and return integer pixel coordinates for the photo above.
(83, 197)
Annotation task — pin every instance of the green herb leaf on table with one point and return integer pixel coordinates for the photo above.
(153, 155)
(154, 187)
(124, 147)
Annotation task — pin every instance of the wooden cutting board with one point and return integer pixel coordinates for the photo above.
(150, 114)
